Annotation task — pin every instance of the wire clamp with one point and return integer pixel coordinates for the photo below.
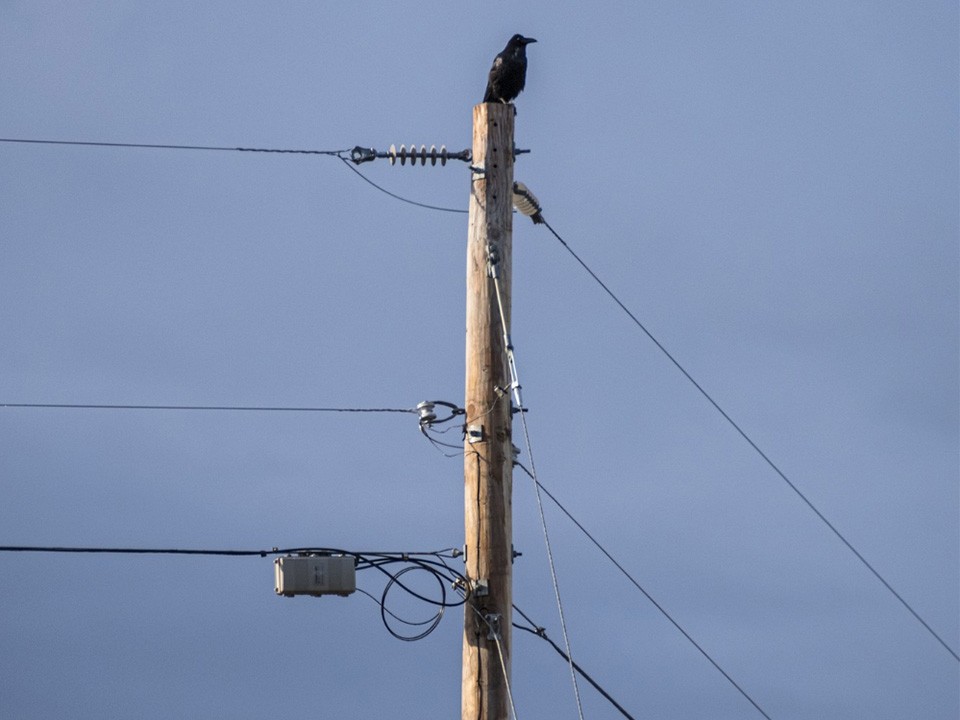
(361, 155)
(480, 587)
(493, 625)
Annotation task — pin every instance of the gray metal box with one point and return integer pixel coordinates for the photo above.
(315, 575)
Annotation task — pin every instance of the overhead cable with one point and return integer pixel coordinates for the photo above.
(398, 197)
(646, 594)
(240, 408)
(354, 155)
(157, 146)
(542, 634)
(432, 562)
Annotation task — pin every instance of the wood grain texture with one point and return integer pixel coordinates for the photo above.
(488, 464)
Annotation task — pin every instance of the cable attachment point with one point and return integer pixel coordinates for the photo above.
(527, 203)
(427, 411)
(361, 155)
(493, 261)
(428, 416)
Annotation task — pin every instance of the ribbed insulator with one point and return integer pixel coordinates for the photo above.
(420, 155)
(427, 415)
(526, 202)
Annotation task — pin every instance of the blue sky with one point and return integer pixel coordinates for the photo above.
(771, 187)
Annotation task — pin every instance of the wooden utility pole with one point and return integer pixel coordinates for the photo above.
(488, 458)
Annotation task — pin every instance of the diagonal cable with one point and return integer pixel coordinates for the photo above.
(542, 634)
(752, 444)
(398, 197)
(647, 595)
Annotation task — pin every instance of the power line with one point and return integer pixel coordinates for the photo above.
(390, 556)
(431, 560)
(234, 408)
(752, 444)
(553, 571)
(647, 595)
(632, 580)
(156, 146)
(542, 634)
(137, 551)
(532, 473)
(398, 197)
(347, 155)
(341, 155)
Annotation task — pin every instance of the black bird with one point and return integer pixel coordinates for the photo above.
(509, 72)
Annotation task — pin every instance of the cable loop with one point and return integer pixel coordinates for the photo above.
(431, 623)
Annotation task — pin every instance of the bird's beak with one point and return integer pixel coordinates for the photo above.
(527, 41)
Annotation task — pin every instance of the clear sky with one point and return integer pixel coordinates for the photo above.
(771, 187)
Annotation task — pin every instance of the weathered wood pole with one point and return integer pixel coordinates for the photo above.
(488, 459)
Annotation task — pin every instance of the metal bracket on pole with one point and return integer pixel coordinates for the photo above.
(493, 625)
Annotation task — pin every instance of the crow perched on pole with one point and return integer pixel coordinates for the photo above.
(509, 72)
